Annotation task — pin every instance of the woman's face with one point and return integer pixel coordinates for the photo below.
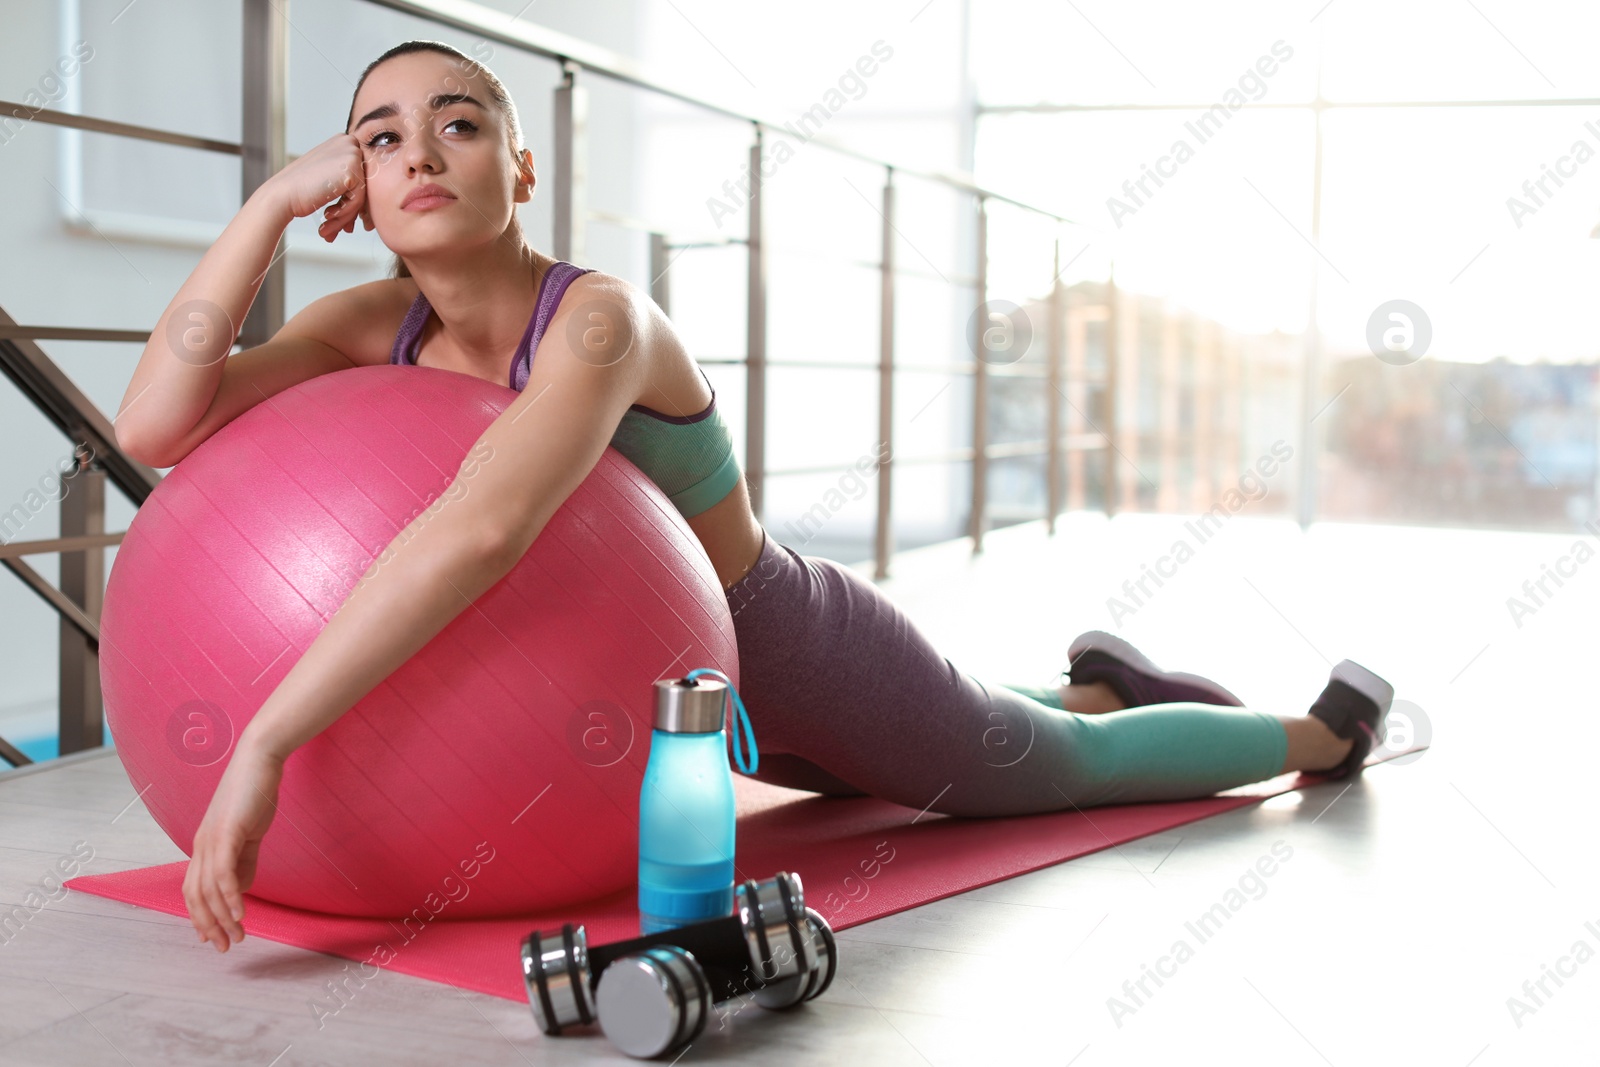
(427, 119)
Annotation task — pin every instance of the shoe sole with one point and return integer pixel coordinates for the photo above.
(1121, 650)
(1366, 683)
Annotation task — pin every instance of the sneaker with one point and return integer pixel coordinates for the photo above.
(1101, 657)
(1353, 704)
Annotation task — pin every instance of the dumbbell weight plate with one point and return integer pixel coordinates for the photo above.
(653, 1001)
(773, 916)
(788, 992)
(556, 976)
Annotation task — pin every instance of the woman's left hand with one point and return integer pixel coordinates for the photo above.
(227, 843)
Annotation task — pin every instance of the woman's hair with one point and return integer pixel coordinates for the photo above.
(499, 98)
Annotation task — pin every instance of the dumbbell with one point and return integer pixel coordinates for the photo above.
(656, 1001)
(771, 945)
(764, 935)
(653, 1001)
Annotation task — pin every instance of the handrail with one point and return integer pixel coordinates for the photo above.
(13, 110)
(73, 413)
(79, 591)
(696, 240)
(1316, 104)
(13, 549)
(71, 333)
(551, 44)
(1082, 442)
(262, 149)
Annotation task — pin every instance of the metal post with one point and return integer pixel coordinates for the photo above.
(1130, 387)
(1052, 467)
(660, 260)
(83, 581)
(1306, 504)
(755, 430)
(1235, 416)
(1075, 377)
(1204, 482)
(569, 206)
(980, 388)
(1167, 414)
(883, 534)
(1113, 367)
(265, 80)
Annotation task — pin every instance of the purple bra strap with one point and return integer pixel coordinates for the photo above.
(551, 290)
(405, 341)
(561, 274)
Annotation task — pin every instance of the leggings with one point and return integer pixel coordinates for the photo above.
(847, 697)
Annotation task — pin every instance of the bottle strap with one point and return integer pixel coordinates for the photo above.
(738, 706)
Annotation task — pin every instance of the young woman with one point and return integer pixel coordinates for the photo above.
(846, 696)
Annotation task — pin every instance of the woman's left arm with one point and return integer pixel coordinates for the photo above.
(590, 367)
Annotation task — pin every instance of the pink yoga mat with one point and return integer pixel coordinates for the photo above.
(859, 858)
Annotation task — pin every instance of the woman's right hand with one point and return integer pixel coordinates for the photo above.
(334, 171)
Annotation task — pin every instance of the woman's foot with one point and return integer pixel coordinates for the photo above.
(1351, 709)
(1312, 747)
(1128, 673)
(1090, 698)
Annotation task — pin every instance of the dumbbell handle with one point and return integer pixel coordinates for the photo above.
(717, 944)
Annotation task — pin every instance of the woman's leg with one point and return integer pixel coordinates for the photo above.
(1094, 698)
(831, 671)
(792, 772)
(1311, 745)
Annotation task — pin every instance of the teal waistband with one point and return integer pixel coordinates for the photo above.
(709, 490)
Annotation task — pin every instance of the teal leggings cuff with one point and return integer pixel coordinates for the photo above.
(1161, 751)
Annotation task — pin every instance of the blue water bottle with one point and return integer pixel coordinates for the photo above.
(686, 810)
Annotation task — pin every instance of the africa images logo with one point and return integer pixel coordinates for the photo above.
(1210, 123)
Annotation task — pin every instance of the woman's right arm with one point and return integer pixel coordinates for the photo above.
(181, 368)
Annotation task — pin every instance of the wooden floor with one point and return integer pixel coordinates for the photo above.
(1414, 905)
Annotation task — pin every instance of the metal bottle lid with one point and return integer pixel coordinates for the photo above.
(697, 706)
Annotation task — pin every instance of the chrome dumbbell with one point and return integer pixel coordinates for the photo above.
(557, 975)
(657, 1001)
(772, 945)
(787, 992)
(653, 1001)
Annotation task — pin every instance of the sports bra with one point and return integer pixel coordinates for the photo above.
(689, 457)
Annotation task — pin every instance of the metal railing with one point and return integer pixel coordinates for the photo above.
(1311, 402)
(265, 30)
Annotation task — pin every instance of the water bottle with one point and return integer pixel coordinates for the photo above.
(686, 808)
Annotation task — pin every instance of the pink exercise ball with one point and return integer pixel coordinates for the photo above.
(496, 772)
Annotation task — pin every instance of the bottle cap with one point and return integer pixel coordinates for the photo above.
(693, 706)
